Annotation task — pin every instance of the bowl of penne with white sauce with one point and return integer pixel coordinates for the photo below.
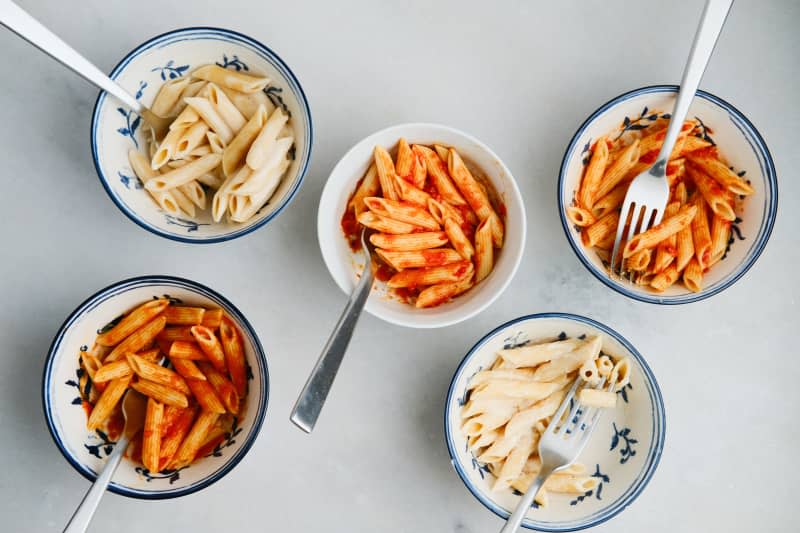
(504, 395)
(193, 356)
(233, 147)
(722, 203)
(445, 217)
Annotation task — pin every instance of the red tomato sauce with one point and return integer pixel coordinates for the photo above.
(352, 230)
(209, 447)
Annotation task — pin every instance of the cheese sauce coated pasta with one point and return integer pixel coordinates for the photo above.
(226, 140)
(437, 224)
(188, 361)
(705, 197)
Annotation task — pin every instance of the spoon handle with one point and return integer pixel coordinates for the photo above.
(711, 22)
(27, 27)
(309, 404)
(79, 522)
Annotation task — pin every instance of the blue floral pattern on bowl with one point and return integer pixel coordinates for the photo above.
(623, 452)
(115, 129)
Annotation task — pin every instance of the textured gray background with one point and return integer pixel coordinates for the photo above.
(521, 76)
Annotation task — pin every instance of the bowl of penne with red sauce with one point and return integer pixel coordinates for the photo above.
(229, 143)
(722, 201)
(194, 358)
(442, 214)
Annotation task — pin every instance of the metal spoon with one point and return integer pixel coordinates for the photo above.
(133, 409)
(27, 27)
(309, 404)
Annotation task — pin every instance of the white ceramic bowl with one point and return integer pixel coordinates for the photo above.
(115, 129)
(345, 266)
(623, 451)
(739, 142)
(87, 451)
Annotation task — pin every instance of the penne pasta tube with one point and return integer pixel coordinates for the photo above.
(438, 294)
(192, 89)
(419, 258)
(235, 153)
(666, 250)
(601, 230)
(178, 315)
(194, 439)
(256, 201)
(386, 173)
(617, 171)
(442, 210)
(442, 151)
(368, 186)
(620, 374)
(659, 232)
(532, 355)
(717, 170)
(402, 211)
(579, 216)
(168, 96)
(410, 241)
(693, 276)
(248, 103)
(157, 373)
(484, 250)
(215, 143)
(405, 160)
(209, 114)
(589, 349)
(183, 202)
(225, 108)
(108, 400)
(210, 345)
(665, 278)
(185, 119)
(211, 180)
(176, 334)
(589, 372)
(408, 193)
(212, 318)
(604, 365)
(431, 276)
(187, 368)
(714, 194)
(590, 184)
(484, 376)
(230, 78)
(611, 201)
(206, 396)
(151, 435)
(167, 148)
(259, 153)
(437, 170)
(141, 167)
(458, 239)
(194, 192)
(232, 346)
(597, 398)
(131, 322)
(419, 171)
(225, 390)
(175, 433)
(113, 370)
(162, 393)
(139, 339)
(192, 137)
(260, 178)
(185, 174)
(512, 467)
(692, 143)
(186, 350)
(475, 195)
(701, 235)
(720, 233)
(385, 225)
(203, 149)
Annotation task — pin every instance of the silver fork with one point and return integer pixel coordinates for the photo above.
(647, 195)
(559, 446)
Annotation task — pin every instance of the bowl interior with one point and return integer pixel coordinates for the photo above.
(345, 265)
(115, 129)
(87, 451)
(623, 451)
(739, 143)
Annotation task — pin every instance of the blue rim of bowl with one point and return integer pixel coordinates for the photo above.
(659, 424)
(277, 62)
(765, 230)
(121, 287)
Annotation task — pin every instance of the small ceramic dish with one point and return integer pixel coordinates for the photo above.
(739, 143)
(345, 265)
(624, 449)
(115, 129)
(87, 451)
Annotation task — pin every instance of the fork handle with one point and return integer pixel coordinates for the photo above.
(17, 20)
(514, 521)
(711, 22)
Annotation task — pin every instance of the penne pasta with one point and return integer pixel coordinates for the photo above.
(654, 235)
(601, 230)
(431, 276)
(179, 176)
(665, 278)
(408, 193)
(693, 275)
(225, 108)
(720, 234)
(151, 435)
(206, 110)
(174, 434)
(597, 398)
(195, 192)
(386, 173)
(224, 389)
(177, 315)
(248, 103)
(401, 211)
(232, 79)
(455, 233)
(484, 250)
(410, 241)
(168, 96)
(701, 235)
(190, 138)
(176, 334)
(139, 339)
(715, 196)
(405, 160)
(666, 250)
(259, 151)
(167, 148)
(475, 195)
(114, 370)
(108, 400)
(212, 318)
(132, 322)
(210, 345)
(720, 172)
(186, 350)
(185, 119)
(579, 216)
(234, 154)
(188, 369)
(369, 186)
(194, 439)
(157, 373)
(162, 393)
(593, 174)
(611, 202)
(419, 258)
(205, 395)
(437, 170)
(441, 293)
(385, 225)
(536, 354)
(263, 177)
(617, 171)
(590, 349)
(141, 167)
(233, 348)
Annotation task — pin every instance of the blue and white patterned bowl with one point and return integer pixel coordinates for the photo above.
(87, 451)
(115, 129)
(740, 144)
(623, 452)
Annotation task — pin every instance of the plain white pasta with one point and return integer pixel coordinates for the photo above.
(484, 439)
(192, 138)
(532, 390)
(184, 174)
(236, 151)
(225, 108)
(141, 167)
(532, 355)
(258, 199)
(248, 104)
(597, 398)
(194, 191)
(512, 467)
(210, 115)
(215, 142)
(590, 349)
(589, 372)
(487, 375)
(168, 95)
(229, 78)
(258, 152)
(621, 374)
(186, 118)
(476, 406)
(193, 89)
(266, 176)
(210, 179)
(604, 365)
(166, 149)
